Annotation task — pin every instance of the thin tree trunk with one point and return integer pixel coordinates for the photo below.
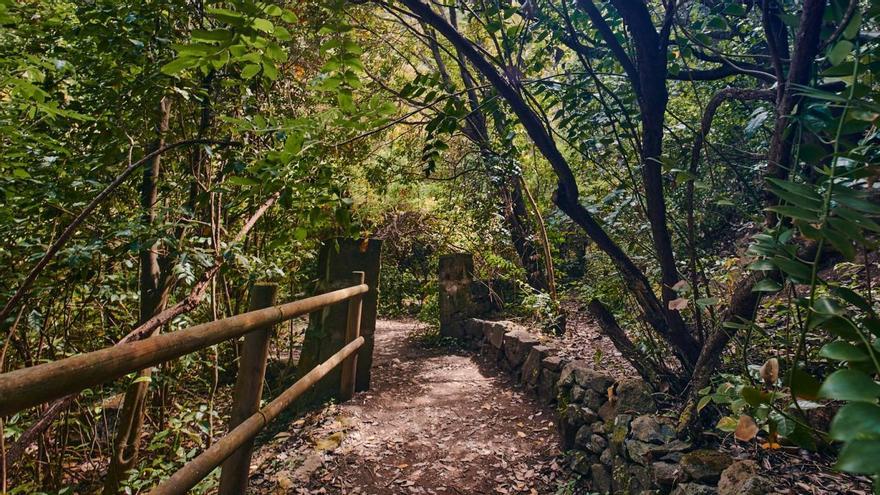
(513, 207)
(566, 197)
(153, 297)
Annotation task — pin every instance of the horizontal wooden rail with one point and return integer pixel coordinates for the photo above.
(35, 385)
(197, 469)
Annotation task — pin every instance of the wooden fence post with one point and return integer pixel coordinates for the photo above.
(248, 392)
(352, 331)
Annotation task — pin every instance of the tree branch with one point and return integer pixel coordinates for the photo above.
(71, 229)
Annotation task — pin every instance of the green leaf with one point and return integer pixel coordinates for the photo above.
(754, 396)
(799, 194)
(734, 9)
(852, 29)
(854, 420)
(767, 285)
(860, 457)
(802, 437)
(242, 181)
(289, 17)
(839, 326)
(798, 271)
(850, 385)
(795, 212)
(212, 35)
(857, 203)
(177, 65)
(250, 71)
(803, 385)
(761, 266)
(264, 25)
(839, 51)
(853, 298)
(226, 15)
(840, 350)
(840, 242)
(704, 401)
(269, 70)
(828, 306)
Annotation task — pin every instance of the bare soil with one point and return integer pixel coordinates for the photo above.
(436, 420)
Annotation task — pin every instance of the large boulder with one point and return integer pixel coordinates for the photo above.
(473, 329)
(629, 478)
(666, 473)
(580, 373)
(553, 363)
(742, 478)
(705, 465)
(618, 433)
(601, 478)
(645, 453)
(582, 438)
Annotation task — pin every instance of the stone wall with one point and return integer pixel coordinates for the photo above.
(611, 430)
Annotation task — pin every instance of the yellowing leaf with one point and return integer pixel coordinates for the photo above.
(726, 424)
(329, 443)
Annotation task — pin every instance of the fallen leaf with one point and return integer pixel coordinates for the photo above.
(770, 372)
(678, 304)
(746, 429)
(329, 443)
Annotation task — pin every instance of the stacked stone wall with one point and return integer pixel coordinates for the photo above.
(611, 430)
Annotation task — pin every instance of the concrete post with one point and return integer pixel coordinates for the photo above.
(460, 296)
(325, 334)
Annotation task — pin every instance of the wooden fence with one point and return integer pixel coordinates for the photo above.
(35, 385)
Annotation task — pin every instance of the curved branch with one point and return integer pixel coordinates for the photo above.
(705, 126)
(608, 35)
(567, 195)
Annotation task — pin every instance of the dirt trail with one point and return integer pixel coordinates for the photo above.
(435, 421)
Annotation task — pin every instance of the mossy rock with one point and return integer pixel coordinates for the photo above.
(705, 465)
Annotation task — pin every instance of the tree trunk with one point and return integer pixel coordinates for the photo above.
(684, 345)
(513, 207)
(522, 234)
(153, 296)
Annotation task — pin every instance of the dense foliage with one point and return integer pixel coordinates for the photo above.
(699, 175)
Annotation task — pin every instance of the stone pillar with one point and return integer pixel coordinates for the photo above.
(325, 334)
(460, 296)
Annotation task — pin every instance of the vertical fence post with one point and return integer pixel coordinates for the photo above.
(248, 391)
(352, 331)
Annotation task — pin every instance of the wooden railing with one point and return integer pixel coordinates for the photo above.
(35, 385)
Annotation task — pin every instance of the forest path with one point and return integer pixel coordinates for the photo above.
(436, 421)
